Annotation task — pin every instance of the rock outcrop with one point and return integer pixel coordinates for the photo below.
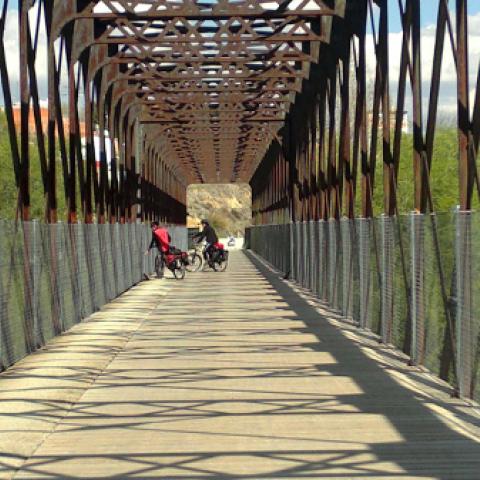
(228, 207)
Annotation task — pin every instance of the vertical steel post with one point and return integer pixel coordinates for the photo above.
(24, 186)
(387, 266)
(465, 332)
(465, 164)
(417, 222)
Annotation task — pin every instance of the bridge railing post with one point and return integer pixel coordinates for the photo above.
(266, 243)
(84, 281)
(314, 259)
(103, 238)
(338, 267)
(332, 263)
(318, 259)
(303, 251)
(303, 262)
(134, 249)
(126, 263)
(91, 251)
(59, 259)
(387, 267)
(363, 225)
(355, 271)
(286, 250)
(146, 236)
(323, 260)
(117, 259)
(308, 256)
(278, 232)
(128, 251)
(299, 258)
(272, 234)
(296, 250)
(417, 245)
(36, 261)
(291, 236)
(105, 232)
(70, 239)
(468, 306)
(347, 267)
(269, 245)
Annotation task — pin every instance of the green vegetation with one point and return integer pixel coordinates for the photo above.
(227, 213)
(8, 189)
(444, 174)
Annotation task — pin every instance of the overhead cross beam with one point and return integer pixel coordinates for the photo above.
(258, 51)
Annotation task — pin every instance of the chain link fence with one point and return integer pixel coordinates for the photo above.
(467, 328)
(53, 276)
(273, 243)
(413, 280)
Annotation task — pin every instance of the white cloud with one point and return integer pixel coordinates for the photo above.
(12, 53)
(11, 48)
(447, 101)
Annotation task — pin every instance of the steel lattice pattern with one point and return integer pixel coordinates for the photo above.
(210, 80)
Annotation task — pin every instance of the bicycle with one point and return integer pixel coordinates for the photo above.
(218, 259)
(195, 260)
(175, 260)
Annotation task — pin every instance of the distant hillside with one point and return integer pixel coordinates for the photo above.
(227, 207)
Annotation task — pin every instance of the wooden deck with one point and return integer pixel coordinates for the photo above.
(228, 375)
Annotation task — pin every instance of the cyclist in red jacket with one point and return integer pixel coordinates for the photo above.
(160, 239)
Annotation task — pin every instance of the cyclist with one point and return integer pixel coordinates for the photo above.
(210, 236)
(160, 239)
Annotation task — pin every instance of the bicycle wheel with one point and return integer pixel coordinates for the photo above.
(194, 263)
(179, 271)
(221, 263)
(159, 266)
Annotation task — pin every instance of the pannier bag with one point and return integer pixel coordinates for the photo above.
(173, 254)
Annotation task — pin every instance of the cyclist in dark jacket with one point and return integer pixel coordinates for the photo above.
(209, 235)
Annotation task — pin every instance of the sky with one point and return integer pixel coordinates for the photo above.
(428, 13)
(448, 91)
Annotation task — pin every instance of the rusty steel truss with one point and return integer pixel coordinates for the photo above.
(189, 91)
(198, 91)
(322, 164)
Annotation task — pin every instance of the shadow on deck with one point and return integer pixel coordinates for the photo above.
(229, 376)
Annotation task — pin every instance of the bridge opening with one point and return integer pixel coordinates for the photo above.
(228, 207)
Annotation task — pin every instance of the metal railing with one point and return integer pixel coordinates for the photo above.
(413, 280)
(53, 276)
